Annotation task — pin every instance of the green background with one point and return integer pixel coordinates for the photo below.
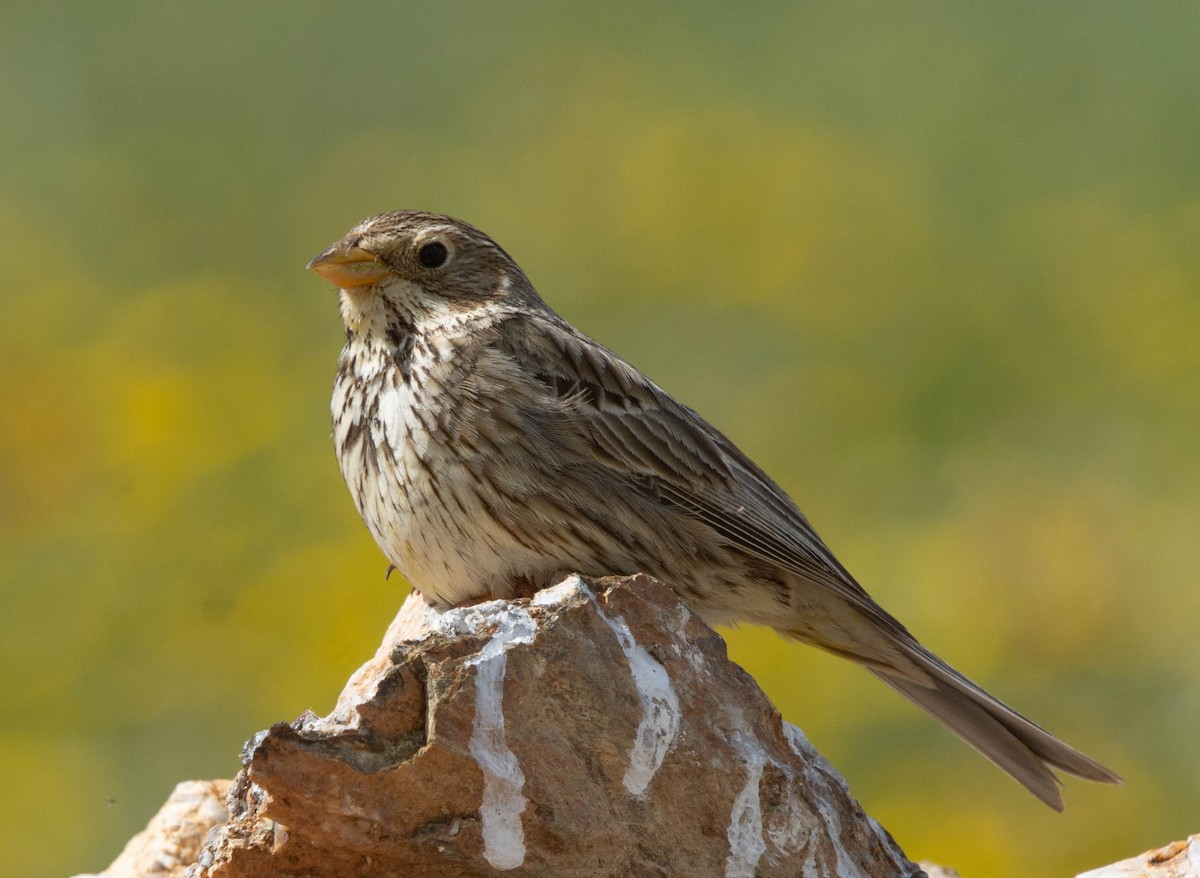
(934, 266)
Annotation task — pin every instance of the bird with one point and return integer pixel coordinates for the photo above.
(492, 448)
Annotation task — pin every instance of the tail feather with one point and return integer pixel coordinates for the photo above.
(1017, 745)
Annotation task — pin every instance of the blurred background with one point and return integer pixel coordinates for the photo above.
(935, 268)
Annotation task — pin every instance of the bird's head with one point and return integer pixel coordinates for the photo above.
(419, 267)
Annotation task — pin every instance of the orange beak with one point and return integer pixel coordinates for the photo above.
(348, 266)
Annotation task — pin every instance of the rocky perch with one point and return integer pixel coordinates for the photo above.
(598, 729)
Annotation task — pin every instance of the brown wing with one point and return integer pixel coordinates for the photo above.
(671, 453)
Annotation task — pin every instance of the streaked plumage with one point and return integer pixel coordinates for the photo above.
(491, 447)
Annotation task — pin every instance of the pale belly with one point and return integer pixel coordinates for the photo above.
(423, 505)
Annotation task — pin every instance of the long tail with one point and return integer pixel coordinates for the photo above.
(1022, 748)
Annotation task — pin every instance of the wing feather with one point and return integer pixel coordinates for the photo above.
(671, 454)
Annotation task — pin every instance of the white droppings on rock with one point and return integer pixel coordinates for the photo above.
(823, 776)
(745, 833)
(660, 708)
(503, 780)
(573, 587)
(469, 620)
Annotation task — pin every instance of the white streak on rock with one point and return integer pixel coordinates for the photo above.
(503, 780)
(561, 593)
(822, 775)
(745, 833)
(660, 709)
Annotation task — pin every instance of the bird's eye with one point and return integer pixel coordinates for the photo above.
(433, 254)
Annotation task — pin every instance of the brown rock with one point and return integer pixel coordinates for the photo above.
(1180, 859)
(596, 730)
(171, 842)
